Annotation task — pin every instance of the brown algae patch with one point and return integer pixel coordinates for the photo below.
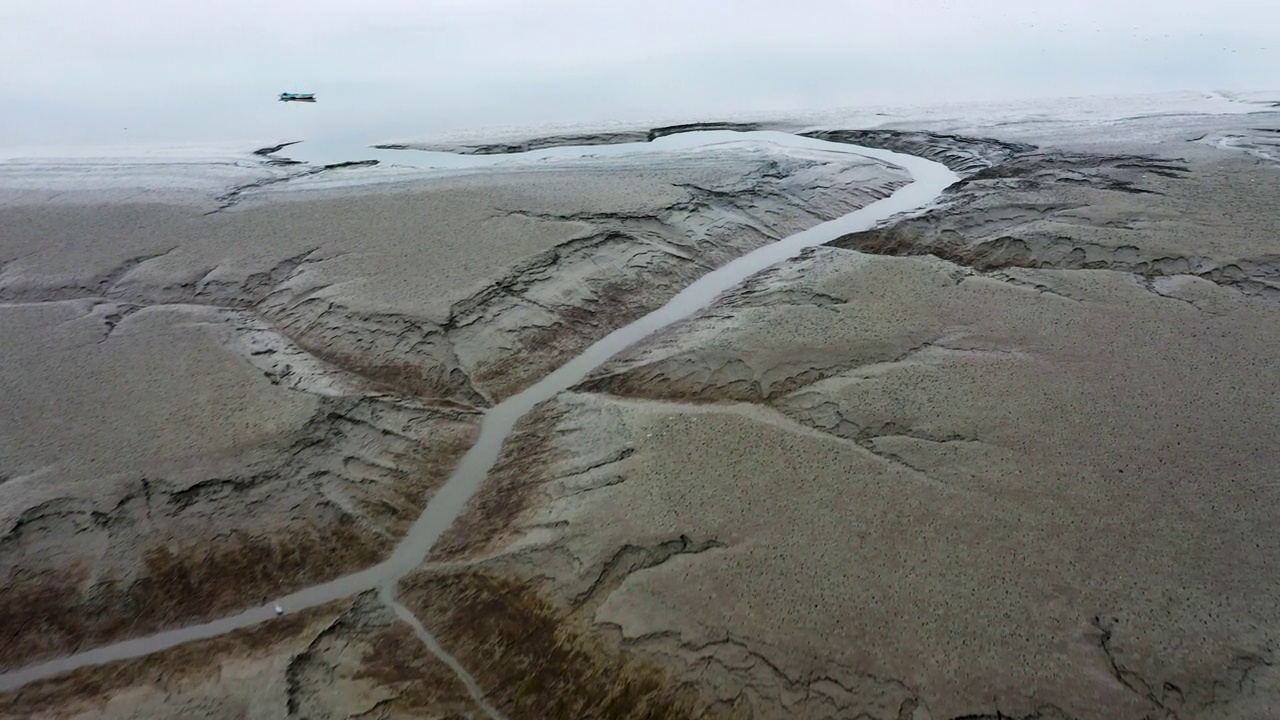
(443, 386)
(368, 658)
(59, 612)
(506, 494)
(178, 560)
(88, 688)
(349, 658)
(526, 655)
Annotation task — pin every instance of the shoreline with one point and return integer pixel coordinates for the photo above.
(153, 170)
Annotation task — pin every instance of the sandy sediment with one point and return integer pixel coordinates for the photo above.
(1010, 458)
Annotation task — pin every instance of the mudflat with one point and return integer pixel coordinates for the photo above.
(209, 408)
(1009, 456)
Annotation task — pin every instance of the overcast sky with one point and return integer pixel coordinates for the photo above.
(203, 67)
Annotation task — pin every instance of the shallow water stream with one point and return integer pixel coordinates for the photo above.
(930, 178)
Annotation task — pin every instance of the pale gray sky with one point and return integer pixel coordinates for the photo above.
(87, 68)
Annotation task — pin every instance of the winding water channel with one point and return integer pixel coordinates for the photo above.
(929, 180)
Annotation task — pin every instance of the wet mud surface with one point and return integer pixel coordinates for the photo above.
(1005, 457)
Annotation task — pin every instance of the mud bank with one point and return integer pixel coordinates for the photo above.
(341, 448)
(1008, 457)
(1005, 458)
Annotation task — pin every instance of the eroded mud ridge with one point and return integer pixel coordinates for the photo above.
(350, 659)
(579, 139)
(624, 263)
(964, 155)
(205, 461)
(180, 544)
(999, 218)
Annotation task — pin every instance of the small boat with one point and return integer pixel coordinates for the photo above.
(291, 97)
